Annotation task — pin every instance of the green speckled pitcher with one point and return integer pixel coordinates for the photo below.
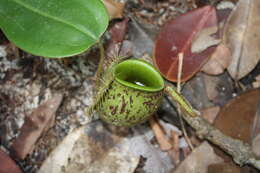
(134, 95)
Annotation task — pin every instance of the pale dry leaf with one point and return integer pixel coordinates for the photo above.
(3, 51)
(199, 160)
(204, 39)
(256, 83)
(34, 126)
(225, 5)
(115, 9)
(242, 36)
(60, 156)
(87, 148)
(218, 62)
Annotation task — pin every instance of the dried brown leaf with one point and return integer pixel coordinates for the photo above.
(242, 36)
(210, 113)
(224, 168)
(34, 126)
(218, 62)
(236, 117)
(115, 9)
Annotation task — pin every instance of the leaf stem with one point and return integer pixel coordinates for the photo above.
(100, 64)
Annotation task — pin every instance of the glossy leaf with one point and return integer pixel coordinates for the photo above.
(53, 28)
(179, 36)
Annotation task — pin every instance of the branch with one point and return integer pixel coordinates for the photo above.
(241, 152)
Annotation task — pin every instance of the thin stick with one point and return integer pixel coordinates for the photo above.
(180, 65)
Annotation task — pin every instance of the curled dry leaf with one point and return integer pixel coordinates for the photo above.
(7, 165)
(218, 62)
(115, 9)
(34, 126)
(178, 35)
(242, 36)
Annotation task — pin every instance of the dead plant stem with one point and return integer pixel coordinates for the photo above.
(180, 65)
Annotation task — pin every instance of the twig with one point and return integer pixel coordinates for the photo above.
(180, 65)
(241, 152)
(165, 145)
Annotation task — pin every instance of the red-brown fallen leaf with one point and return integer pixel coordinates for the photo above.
(34, 126)
(7, 165)
(177, 36)
(218, 62)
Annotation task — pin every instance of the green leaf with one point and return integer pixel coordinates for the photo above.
(53, 28)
